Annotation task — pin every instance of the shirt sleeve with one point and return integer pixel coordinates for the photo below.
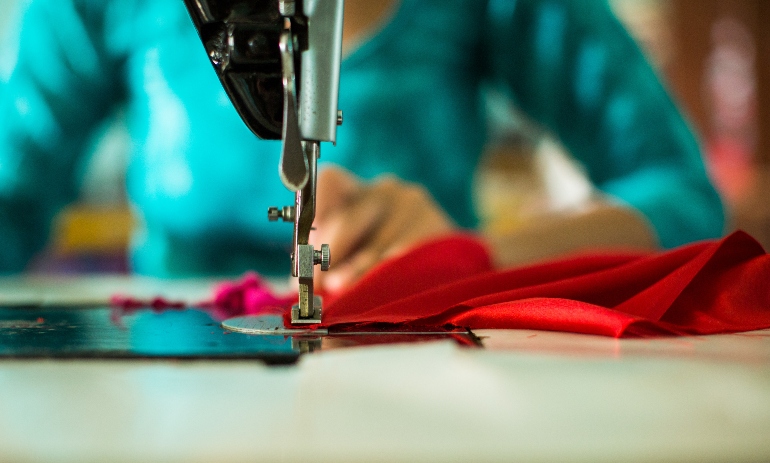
(63, 84)
(572, 67)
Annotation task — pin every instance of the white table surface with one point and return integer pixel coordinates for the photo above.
(529, 396)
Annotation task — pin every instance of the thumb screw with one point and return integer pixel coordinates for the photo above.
(323, 257)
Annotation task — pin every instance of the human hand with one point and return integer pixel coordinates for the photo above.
(364, 223)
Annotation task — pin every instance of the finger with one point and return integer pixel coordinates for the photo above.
(348, 228)
(385, 220)
(334, 189)
(383, 242)
(422, 220)
(412, 218)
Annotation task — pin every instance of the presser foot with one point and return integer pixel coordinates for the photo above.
(313, 319)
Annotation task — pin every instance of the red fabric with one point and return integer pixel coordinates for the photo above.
(704, 288)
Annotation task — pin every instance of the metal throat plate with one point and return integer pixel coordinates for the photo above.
(268, 325)
(274, 325)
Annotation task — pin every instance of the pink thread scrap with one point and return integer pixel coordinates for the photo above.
(126, 305)
(250, 295)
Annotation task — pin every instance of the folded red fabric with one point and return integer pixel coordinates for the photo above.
(703, 288)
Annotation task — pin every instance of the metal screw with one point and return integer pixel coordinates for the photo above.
(339, 117)
(323, 257)
(286, 214)
(216, 48)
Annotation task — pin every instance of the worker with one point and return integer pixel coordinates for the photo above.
(412, 80)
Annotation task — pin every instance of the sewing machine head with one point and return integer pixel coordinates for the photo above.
(279, 62)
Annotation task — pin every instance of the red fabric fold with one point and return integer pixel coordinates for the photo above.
(704, 288)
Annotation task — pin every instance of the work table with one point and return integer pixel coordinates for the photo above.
(524, 396)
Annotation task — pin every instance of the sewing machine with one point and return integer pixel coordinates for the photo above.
(279, 62)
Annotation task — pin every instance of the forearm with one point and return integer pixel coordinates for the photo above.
(598, 225)
(593, 89)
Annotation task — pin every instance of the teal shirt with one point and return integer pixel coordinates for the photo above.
(201, 182)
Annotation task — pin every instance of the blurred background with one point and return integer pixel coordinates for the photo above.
(714, 55)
